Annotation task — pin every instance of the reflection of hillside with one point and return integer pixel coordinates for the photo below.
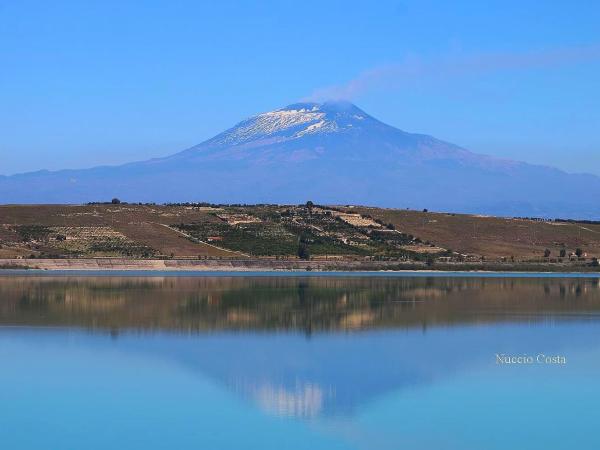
(288, 303)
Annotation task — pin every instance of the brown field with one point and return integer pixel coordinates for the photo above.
(492, 237)
(141, 225)
(154, 231)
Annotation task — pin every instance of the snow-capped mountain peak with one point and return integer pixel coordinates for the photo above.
(293, 121)
(332, 152)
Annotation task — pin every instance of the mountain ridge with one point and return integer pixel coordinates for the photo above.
(310, 118)
(330, 152)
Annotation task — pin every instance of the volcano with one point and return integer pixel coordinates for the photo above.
(330, 153)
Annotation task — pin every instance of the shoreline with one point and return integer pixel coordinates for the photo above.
(83, 265)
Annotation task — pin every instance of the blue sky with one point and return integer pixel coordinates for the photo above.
(87, 83)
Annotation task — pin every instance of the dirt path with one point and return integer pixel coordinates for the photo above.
(192, 238)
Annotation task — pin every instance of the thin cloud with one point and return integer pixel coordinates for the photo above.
(394, 76)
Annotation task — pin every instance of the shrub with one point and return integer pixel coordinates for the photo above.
(29, 233)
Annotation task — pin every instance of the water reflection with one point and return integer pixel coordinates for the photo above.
(369, 360)
(305, 400)
(285, 303)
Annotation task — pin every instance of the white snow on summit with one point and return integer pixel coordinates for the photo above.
(321, 126)
(275, 122)
(292, 122)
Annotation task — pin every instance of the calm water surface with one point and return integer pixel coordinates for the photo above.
(224, 362)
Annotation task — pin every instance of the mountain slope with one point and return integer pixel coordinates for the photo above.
(330, 153)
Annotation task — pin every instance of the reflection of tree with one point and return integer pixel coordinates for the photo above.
(307, 304)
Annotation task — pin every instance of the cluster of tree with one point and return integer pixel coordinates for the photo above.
(29, 233)
(563, 253)
(116, 201)
(192, 204)
(219, 205)
(559, 220)
(587, 222)
(303, 251)
(389, 226)
(533, 219)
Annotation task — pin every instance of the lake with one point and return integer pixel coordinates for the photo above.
(299, 362)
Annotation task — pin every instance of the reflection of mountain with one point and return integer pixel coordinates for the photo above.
(288, 303)
(303, 400)
(287, 344)
(333, 374)
(336, 374)
(323, 375)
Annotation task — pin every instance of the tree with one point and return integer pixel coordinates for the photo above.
(303, 252)
(563, 253)
(578, 252)
(115, 201)
(547, 253)
(309, 204)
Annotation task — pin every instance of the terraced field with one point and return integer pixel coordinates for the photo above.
(281, 230)
(138, 231)
(151, 231)
(285, 232)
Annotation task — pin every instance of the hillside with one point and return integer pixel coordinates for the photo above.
(495, 237)
(285, 232)
(334, 153)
